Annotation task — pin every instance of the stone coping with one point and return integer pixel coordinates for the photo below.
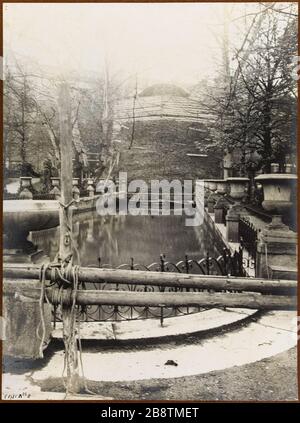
(276, 176)
(151, 329)
(17, 206)
(41, 206)
(237, 179)
(292, 269)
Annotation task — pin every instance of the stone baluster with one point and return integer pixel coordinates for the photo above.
(288, 168)
(55, 190)
(75, 189)
(277, 251)
(25, 185)
(90, 187)
(274, 167)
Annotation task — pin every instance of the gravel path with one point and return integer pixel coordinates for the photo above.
(273, 378)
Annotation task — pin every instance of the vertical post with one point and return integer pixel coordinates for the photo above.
(65, 247)
(207, 263)
(276, 254)
(65, 244)
(232, 225)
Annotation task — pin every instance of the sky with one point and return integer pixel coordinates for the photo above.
(175, 43)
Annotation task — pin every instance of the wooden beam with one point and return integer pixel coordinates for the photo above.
(163, 299)
(163, 279)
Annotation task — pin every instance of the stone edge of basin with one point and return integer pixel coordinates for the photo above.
(136, 331)
(276, 176)
(17, 206)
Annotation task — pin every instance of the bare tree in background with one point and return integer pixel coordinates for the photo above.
(20, 115)
(255, 112)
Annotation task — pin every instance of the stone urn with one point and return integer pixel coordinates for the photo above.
(277, 189)
(34, 215)
(221, 186)
(206, 185)
(211, 184)
(19, 218)
(238, 187)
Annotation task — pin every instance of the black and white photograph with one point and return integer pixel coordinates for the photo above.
(149, 202)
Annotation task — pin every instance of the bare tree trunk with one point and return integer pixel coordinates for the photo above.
(65, 248)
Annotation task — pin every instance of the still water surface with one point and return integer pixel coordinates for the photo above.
(116, 239)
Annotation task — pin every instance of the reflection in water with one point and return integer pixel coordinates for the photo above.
(118, 238)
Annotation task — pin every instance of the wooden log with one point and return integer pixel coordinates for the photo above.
(167, 299)
(164, 279)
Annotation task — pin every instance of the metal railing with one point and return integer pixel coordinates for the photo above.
(249, 236)
(226, 264)
(36, 196)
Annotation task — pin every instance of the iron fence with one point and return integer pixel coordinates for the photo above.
(249, 236)
(225, 211)
(226, 264)
(44, 196)
(10, 196)
(36, 196)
